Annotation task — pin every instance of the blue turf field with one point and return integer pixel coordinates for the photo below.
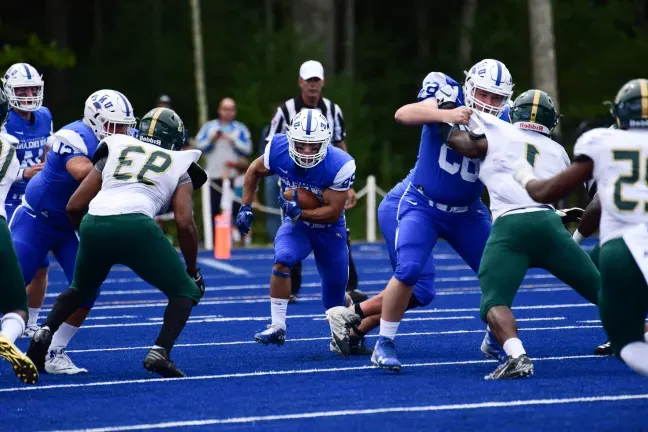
(235, 384)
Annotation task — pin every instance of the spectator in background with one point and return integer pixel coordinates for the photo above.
(270, 190)
(226, 145)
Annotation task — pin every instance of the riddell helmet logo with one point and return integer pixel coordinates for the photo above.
(640, 123)
(531, 126)
(150, 140)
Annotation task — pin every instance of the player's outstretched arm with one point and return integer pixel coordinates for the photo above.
(187, 232)
(561, 185)
(332, 209)
(77, 207)
(467, 144)
(427, 111)
(255, 171)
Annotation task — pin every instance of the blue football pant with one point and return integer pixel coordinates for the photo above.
(33, 239)
(294, 242)
(10, 208)
(412, 229)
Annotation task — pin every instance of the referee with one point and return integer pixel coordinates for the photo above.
(311, 81)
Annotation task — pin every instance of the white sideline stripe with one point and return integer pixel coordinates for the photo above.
(220, 265)
(328, 338)
(113, 317)
(368, 411)
(266, 373)
(540, 319)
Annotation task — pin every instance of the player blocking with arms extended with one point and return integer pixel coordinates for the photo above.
(31, 124)
(41, 223)
(525, 234)
(13, 297)
(303, 158)
(134, 180)
(618, 160)
(440, 198)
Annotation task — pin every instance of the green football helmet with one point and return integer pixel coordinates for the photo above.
(630, 107)
(162, 127)
(534, 110)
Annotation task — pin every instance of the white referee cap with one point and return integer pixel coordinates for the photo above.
(311, 69)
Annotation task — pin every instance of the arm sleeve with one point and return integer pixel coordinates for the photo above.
(267, 157)
(436, 85)
(100, 164)
(345, 177)
(69, 144)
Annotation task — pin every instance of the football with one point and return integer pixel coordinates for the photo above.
(307, 199)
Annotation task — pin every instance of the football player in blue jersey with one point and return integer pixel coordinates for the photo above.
(440, 198)
(31, 124)
(303, 158)
(41, 223)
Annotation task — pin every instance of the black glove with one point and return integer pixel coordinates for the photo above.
(198, 279)
(570, 215)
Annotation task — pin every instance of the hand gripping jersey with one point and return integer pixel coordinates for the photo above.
(9, 167)
(506, 144)
(620, 166)
(440, 173)
(32, 139)
(336, 171)
(48, 193)
(138, 177)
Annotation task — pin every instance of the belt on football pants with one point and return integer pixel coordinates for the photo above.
(440, 206)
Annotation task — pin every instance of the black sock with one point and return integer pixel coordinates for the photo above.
(358, 310)
(64, 306)
(175, 317)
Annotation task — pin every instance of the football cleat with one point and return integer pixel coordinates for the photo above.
(341, 320)
(272, 335)
(58, 363)
(604, 349)
(357, 344)
(39, 346)
(157, 360)
(384, 354)
(520, 367)
(30, 331)
(492, 349)
(22, 365)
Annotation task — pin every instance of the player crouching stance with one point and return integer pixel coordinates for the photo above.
(133, 181)
(302, 158)
(13, 297)
(525, 234)
(616, 158)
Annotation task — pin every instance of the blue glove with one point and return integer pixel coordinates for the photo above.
(244, 219)
(290, 207)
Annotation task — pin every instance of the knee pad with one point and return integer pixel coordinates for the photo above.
(285, 256)
(408, 272)
(421, 296)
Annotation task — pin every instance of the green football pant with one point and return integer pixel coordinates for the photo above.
(537, 239)
(624, 295)
(13, 292)
(136, 241)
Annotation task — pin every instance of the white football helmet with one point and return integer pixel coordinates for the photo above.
(491, 76)
(308, 127)
(108, 112)
(19, 76)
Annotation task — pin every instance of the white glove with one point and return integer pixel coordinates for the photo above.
(523, 172)
(578, 237)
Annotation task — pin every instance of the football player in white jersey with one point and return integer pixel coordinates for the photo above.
(133, 181)
(13, 297)
(618, 161)
(525, 233)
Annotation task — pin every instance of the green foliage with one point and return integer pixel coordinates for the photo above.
(37, 53)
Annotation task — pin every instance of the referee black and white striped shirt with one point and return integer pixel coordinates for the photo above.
(291, 107)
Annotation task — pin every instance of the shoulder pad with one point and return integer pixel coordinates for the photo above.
(102, 152)
(197, 174)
